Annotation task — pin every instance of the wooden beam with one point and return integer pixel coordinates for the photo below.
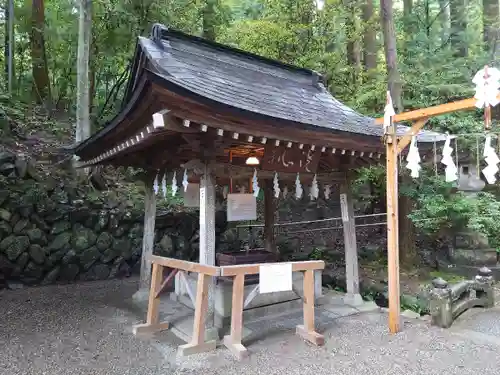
(149, 233)
(233, 340)
(269, 216)
(350, 243)
(437, 110)
(392, 231)
(307, 330)
(253, 269)
(184, 265)
(415, 128)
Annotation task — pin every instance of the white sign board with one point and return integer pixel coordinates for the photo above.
(343, 208)
(241, 207)
(275, 278)
(192, 195)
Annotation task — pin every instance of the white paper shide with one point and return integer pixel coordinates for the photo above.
(487, 83)
(275, 277)
(492, 161)
(413, 159)
(451, 171)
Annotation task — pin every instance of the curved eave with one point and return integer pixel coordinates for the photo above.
(151, 84)
(93, 145)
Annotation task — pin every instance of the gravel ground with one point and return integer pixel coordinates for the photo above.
(86, 329)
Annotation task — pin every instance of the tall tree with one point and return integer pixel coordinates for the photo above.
(353, 45)
(369, 37)
(82, 71)
(458, 25)
(209, 16)
(490, 26)
(444, 20)
(395, 84)
(9, 44)
(40, 70)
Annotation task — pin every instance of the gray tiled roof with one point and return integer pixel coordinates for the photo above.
(248, 82)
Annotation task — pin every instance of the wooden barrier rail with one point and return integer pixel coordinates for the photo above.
(152, 325)
(306, 331)
(233, 340)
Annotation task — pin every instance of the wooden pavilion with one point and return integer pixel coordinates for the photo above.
(196, 105)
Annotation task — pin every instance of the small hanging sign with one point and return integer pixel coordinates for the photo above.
(275, 278)
(241, 207)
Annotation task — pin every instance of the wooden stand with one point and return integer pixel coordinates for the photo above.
(152, 325)
(306, 331)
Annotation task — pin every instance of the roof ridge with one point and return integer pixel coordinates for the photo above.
(160, 34)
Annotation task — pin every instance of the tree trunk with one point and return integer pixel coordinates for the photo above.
(9, 44)
(391, 56)
(82, 71)
(407, 232)
(369, 37)
(41, 83)
(444, 20)
(353, 46)
(409, 25)
(458, 24)
(209, 19)
(490, 26)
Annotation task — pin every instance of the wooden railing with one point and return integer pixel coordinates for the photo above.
(306, 331)
(152, 325)
(233, 340)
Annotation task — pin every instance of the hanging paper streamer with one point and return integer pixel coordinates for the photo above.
(285, 191)
(491, 159)
(314, 191)
(174, 184)
(298, 188)
(255, 184)
(276, 185)
(487, 88)
(185, 181)
(164, 185)
(451, 169)
(156, 188)
(327, 191)
(225, 191)
(413, 158)
(388, 111)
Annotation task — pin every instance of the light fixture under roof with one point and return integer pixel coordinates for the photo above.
(252, 160)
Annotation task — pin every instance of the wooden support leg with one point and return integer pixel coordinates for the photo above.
(152, 324)
(233, 341)
(198, 344)
(307, 331)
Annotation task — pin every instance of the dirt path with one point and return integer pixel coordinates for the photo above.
(86, 329)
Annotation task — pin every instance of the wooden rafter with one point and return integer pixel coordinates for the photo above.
(428, 112)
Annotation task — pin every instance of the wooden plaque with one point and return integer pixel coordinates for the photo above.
(293, 160)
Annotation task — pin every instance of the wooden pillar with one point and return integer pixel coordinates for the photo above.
(392, 230)
(269, 216)
(147, 241)
(353, 296)
(207, 241)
